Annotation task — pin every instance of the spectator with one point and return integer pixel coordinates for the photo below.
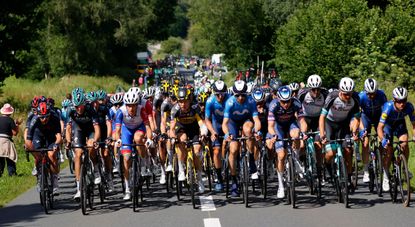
(8, 129)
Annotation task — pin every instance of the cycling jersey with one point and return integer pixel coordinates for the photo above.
(65, 115)
(390, 116)
(311, 106)
(112, 115)
(372, 108)
(166, 107)
(214, 110)
(132, 122)
(83, 124)
(185, 118)
(158, 100)
(30, 116)
(240, 112)
(338, 110)
(103, 115)
(284, 116)
(43, 135)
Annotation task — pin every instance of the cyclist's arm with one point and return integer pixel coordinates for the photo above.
(62, 125)
(209, 125)
(68, 132)
(109, 128)
(172, 126)
(322, 124)
(225, 127)
(271, 128)
(163, 123)
(97, 132)
(58, 138)
(380, 130)
(303, 124)
(257, 123)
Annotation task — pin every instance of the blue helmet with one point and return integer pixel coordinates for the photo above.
(78, 99)
(91, 96)
(258, 94)
(101, 94)
(66, 103)
(284, 93)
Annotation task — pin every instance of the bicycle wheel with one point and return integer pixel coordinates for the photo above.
(404, 184)
(291, 180)
(83, 188)
(245, 179)
(264, 176)
(343, 181)
(90, 185)
(378, 170)
(309, 175)
(176, 177)
(372, 172)
(355, 174)
(121, 172)
(135, 185)
(44, 188)
(50, 190)
(208, 168)
(70, 160)
(191, 180)
(101, 186)
(227, 174)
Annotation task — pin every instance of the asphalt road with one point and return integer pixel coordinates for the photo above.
(161, 209)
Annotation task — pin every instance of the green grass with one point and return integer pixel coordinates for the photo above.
(19, 92)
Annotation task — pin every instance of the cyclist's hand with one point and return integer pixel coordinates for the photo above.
(118, 143)
(303, 135)
(96, 145)
(258, 135)
(323, 139)
(55, 147)
(214, 137)
(228, 137)
(362, 133)
(385, 142)
(108, 141)
(149, 143)
(68, 145)
(355, 136)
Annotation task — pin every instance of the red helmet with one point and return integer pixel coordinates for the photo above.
(43, 109)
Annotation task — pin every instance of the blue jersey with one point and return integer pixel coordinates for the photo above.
(284, 116)
(112, 116)
(390, 115)
(372, 108)
(240, 112)
(65, 115)
(214, 110)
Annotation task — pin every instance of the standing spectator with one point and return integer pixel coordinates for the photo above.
(8, 129)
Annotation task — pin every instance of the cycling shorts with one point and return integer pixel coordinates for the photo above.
(81, 134)
(312, 123)
(368, 122)
(127, 137)
(397, 129)
(218, 128)
(236, 126)
(191, 130)
(283, 131)
(40, 140)
(337, 130)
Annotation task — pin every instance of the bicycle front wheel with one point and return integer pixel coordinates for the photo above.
(191, 181)
(291, 181)
(343, 180)
(83, 188)
(135, 185)
(404, 184)
(378, 171)
(44, 189)
(245, 179)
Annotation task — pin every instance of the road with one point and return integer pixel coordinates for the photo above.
(160, 209)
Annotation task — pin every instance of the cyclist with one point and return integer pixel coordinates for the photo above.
(295, 87)
(392, 123)
(240, 112)
(82, 129)
(165, 148)
(371, 102)
(116, 101)
(215, 107)
(184, 125)
(201, 101)
(312, 101)
(338, 119)
(45, 132)
(282, 122)
(132, 126)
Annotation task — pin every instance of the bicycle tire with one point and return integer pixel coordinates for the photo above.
(404, 181)
(71, 162)
(344, 191)
(50, 191)
(101, 186)
(191, 181)
(245, 179)
(83, 188)
(176, 177)
(44, 189)
(372, 172)
(264, 175)
(309, 175)
(121, 172)
(135, 185)
(379, 172)
(355, 174)
(208, 169)
(227, 174)
(291, 180)
(90, 185)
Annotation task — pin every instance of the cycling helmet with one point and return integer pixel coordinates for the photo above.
(202, 97)
(258, 94)
(78, 99)
(230, 90)
(91, 96)
(294, 86)
(275, 84)
(183, 94)
(284, 93)
(239, 87)
(371, 86)
(250, 86)
(77, 90)
(101, 94)
(190, 88)
(43, 109)
(131, 97)
(219, 86)
(66, 103)
(400, 93)
(50, 102)
(346, 84)
(314, 81)
(136, 90)
(174, 90)
(165, 87)
(117, 98)
(35, 102)
(151, 91)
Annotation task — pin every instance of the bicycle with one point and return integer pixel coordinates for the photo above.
(375, 165)
(399, 179)
(264, 164)
(135, 176)
(207, 162)
(339, 171)
(45, 178)
(312, 170)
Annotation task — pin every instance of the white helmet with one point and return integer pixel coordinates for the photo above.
(250, 86)
(314, 81)
(294, 86)
(371, 85)
(346, 84)
(131, 97)
(400, 93)
(117, 98)
(135, 90)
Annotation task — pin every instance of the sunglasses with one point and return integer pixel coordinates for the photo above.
(285, 102)
(240, 95)
(400, 101)
(315, 89)
(43, 117)
(347, 94)
(220, 94)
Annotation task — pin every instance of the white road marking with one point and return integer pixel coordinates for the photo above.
(207, 203)
(211, 222)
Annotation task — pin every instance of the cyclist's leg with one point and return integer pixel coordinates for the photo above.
(330, 151)
(365, 128)
(233, 146)
(126, 138)
(181, 152)
(251, 147)
(281, 154)
(139, 138)
(347, 146)
(78, 140)
(402, 134)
